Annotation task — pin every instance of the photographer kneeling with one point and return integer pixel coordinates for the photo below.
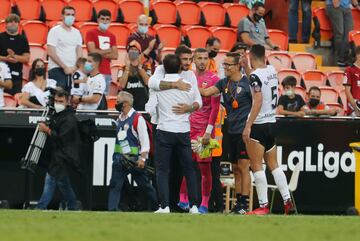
(64, 137)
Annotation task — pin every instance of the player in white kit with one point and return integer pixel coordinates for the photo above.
(258, 134)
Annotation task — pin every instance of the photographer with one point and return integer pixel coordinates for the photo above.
(64, 137)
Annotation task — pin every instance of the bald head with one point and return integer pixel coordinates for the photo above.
(143, 24)
(143, 19)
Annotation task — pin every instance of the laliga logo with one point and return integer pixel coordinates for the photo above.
(329, 162)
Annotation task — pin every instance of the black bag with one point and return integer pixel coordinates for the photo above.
(88, 131)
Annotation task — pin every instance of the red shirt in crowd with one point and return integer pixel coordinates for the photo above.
(352, 78)
(102, 40)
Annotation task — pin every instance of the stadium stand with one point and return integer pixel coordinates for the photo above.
(170, 35)
(51, 9)
(280, 60)
(164, 12)
(196, 36)
(84, 10)
(304, 61)
(286, 72)
(235, 13)
(214, 13)
(111, 102)
(130, 10)
(110, 5)
(314, 78)
(189, 12)
(9, 100)
(336, 79)
(356, 18)
(121, 32)
(323, 29)
(279, 38)
(84, 27)
(226, 35)
(329, 94)
(37, 51)
(5, 8)
(35, 31)
(28, 9)
(301, 91)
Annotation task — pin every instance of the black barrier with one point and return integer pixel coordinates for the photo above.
(326, 183)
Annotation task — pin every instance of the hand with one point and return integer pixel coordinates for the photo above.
(161, 46)
(244, 61)
(43, 127)
(10, 52)
(140, 163)
(334, 111)
(75, 100)
(206, 139)
(246, 134)
(181, 85)
(11, 59)
(127, 62)
(181, 108)
(357, 112)
(69, 70)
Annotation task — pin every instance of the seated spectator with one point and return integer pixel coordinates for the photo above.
(291, 104)
(34, 93)
(250, 3)
(252, 29)
(134, 77)
(5, 81)
(352, 85)
(316, 107)
(79, 79)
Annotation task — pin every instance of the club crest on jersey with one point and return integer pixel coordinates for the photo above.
(204, 84)
(238, 90)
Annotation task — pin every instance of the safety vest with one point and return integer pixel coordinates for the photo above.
(218, 133)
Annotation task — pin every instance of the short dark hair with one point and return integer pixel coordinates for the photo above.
(211, 40)
(67, 8)
(357, 50)
(104, 12)
(200, 50)
(12, 18)
(289, 80)
(258, 51)
(60, 92)
(235, 56)
(258, 5)
(80, 61)
(96, 57)
(182, 49)
(238, 46)
(172, 64)
(314, 88)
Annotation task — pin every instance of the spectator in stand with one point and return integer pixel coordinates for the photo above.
(34, 93)
(100, 40)
(150, 48)
(213, 45)
(291, 104)
(293, 15)
(5, 81)
(64, 48)
(340, 15)
(316, 107)
(352, 85)
(78, 80)
(252, 29)
(14, 51)
(134, 77)
(250, 3)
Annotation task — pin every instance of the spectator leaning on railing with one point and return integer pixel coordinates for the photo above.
(290, 104)
(316, 107)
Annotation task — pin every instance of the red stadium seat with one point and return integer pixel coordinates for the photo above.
(322, 25)
(189, 12)
(121, 32)
(121, 56)
(110, 5)
(301, 91)
(226, 35)
(280, 60)
(337, 106)
(336, 79)
(289, 72)
(197, 35)
(5, 8)
(133, 29)
(279, 38)
(111, 102)
(131, 9)
(37, 51)
(2, 26)
(114, 74)
(354, 36)
(9, 100)
(328, 94)
(214, 13)
(53, 8)
(356, 18)
(314, 78)
(163, 12)
(84, 27)
(17, 98)
(85, 51)
(343, 98)
(35, 31)
(304, 61)
(26, 69)
(236, 12)
(83, 8)
(29, 9)
(170, 35)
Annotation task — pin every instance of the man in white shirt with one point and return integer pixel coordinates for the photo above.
(132, 142)
(173, 133)
(5, 81)
(64, 48)
(95, 85)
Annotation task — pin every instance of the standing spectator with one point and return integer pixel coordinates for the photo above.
(293, 15)
(316, 107)
(352, 85)
(64, 48)
(34, 93)
(340, 15)
(213, 45)
(134, 77)
(133, 144)
(14, 51)
(150, 48)
(252, 29)
(5, 81)
(100, 40)
(94, 92)
(291, 104)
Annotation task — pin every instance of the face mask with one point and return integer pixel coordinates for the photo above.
(59, 107)
(289, 92)
(39, 71)
(119, 106)
(69, 20)
(12, 29)
(104, 26)
(212, 54)
(88, 67)
(133, 55)
(314, 102)
(257, 17)
(143, 29)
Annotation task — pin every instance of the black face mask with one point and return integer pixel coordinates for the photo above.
(212, 54)
(314, 102)
(39, 71)
(257, 17)
(119, 106)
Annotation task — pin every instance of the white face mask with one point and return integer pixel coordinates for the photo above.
(289, 92)
(59, 107)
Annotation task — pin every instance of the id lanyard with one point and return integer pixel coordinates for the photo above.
(235, 103)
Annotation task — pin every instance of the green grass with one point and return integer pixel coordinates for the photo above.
(22, 225)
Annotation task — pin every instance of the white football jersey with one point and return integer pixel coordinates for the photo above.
(266, 81)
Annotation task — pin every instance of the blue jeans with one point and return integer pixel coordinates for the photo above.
(63, 80)
(108, 79)
(118, 176)
(65, 189)
(293, 15)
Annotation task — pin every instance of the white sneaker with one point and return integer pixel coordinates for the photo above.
(194, 210)
(163, 210)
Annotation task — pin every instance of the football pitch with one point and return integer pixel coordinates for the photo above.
(23, 225)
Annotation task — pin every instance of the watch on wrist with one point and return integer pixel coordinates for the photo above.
(80, 99)
(143, 159)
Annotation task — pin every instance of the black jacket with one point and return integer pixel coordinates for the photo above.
(64, 142)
